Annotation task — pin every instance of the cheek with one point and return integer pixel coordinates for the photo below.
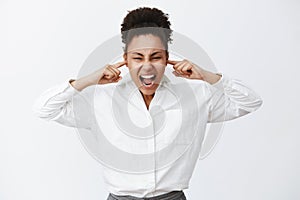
(132, 65)
(162, 63)
(160, 67)
(133, 68)
(161, 71)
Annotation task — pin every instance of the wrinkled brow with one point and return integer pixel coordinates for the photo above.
(140, 54)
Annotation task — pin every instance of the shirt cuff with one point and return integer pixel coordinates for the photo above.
(222, 83)
(66, 90)
(71, 88)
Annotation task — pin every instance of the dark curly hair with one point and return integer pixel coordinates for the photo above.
(145, 20)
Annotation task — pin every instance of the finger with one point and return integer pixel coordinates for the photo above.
(116, 75)
(175, 73)
(175, 66)
(118, 72)
(108, 76)
(118, 79)
(187, 69)
(119, 64)
(179, 68)
(172, 62)
(181, 75)
(109, 73)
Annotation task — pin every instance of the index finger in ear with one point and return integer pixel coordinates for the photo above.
(172, 62)
(119, 64)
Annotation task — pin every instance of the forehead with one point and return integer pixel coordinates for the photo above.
(145, 44)
(146, 51)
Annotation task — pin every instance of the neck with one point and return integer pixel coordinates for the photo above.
(147, 99)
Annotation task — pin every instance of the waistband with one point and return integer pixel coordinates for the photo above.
(173, 195)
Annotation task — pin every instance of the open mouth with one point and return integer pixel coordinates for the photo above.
(147, 80)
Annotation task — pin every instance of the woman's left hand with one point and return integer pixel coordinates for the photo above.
(187, 69)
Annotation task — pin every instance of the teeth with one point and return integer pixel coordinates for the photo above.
(147, 76)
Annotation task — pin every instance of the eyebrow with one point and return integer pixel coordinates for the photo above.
(154, 53)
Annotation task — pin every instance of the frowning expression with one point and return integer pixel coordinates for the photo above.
(146, 59)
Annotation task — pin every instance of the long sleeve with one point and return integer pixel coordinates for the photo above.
(57, 104)
(231, 98)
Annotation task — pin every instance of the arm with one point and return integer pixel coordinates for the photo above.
(57, 104)
(230, 98)
(69, 103)
(227, 98)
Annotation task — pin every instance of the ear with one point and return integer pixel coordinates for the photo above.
(167, 57)
(125, 57)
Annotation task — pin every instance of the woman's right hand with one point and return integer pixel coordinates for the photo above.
(107, 74)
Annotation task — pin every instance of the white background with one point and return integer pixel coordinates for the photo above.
(43, 43)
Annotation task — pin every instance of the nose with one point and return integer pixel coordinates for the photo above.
(147, 66)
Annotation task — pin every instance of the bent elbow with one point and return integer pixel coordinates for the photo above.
(42, 112)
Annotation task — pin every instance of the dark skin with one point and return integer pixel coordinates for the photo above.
(146, 56)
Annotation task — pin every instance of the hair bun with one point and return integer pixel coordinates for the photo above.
(145, 17)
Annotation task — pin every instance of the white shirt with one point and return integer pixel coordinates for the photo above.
(180, 110)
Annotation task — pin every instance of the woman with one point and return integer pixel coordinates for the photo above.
(209, 97)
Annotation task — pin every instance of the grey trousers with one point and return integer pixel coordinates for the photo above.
(174, 195)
